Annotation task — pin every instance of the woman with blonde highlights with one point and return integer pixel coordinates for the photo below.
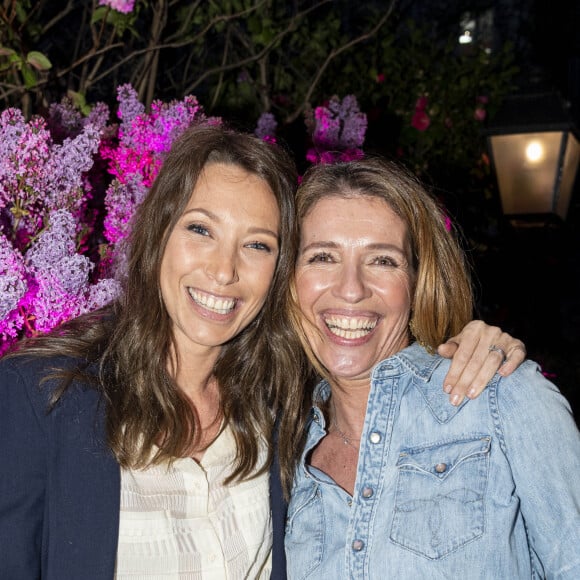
(390, 479)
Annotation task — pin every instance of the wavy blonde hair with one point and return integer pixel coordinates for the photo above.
(442, 302)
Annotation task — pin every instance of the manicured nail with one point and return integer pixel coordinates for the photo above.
(471, 392)
(456, 399)
(447, 388)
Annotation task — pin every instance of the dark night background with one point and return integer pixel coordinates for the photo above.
(529, 278)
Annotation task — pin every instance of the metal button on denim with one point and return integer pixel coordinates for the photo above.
(358, 545)
(367, 492)
(441, 467)
(375, 438)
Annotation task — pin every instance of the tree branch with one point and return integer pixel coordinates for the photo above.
(333, 54)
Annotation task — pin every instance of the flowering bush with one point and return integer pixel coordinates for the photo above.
(337, 131)
(51, 171)
(70, 184)
(124, 6)
(135, 159)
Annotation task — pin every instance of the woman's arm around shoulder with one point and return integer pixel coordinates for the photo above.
(23, 449)
(538, 435)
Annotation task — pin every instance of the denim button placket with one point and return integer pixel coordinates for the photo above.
(358, 545)
(367, 492)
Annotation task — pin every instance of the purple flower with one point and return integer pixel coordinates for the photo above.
(266, 127)
(121, 201)
(61, 276)
(37, 175)
(129, 104)
(64, 120)
(338, 131)
(13, 288)
(61, 287)
(69, 162)
(101, 293)
(124, 6)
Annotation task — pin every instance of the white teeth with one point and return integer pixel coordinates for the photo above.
(350, 327)
(219, 305)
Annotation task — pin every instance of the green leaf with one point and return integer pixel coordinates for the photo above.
(79, 101)
(99, 14)
(29, 76)
(38, 60)
(5, 51)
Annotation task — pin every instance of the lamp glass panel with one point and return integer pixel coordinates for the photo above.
(569, 169)
(526, 165)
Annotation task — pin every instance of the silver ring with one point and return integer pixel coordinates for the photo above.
(495, 348)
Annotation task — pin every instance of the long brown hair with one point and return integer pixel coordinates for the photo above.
(129, 342)
(442, 301)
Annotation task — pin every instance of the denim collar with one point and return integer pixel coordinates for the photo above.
(418, 362)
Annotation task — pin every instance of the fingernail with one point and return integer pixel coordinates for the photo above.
(471, 392)
(456, 399)
(447, 388)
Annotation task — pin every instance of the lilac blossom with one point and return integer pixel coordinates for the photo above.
(144, 140)
(121, 201)
(37, 175)
(266, 127)
(69, 162)
(124, 6)
(129, 104)
(61, 277)
(64, 120)
(101, 294)
(338, 131)
(45, 220)
(13, 288)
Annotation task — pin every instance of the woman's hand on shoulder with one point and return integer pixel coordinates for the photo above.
(477, 353)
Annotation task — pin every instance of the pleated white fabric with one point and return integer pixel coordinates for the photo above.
(182, 523)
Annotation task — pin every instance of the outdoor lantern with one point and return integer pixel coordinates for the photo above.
(535, 153)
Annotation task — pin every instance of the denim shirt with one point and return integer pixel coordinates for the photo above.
(488, 490)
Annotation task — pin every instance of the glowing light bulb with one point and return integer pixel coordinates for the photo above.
(465, 38)
(534, 152)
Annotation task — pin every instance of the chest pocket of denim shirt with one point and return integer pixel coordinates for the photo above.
(439, 505)
(304, 537)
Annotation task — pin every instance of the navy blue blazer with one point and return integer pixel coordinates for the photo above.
(60, 485)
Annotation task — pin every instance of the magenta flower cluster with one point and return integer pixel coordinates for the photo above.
(135, 160)
(70, 184)
(55, 263)
(337, 131)
(124, 6)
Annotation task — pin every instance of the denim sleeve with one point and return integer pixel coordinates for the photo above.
(22, 476)
(537, 433)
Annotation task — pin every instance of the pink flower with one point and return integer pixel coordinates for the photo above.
(124, 6)
(420, 120)
(380, 78)
(483, 99)
(421, 103)
(479, 114)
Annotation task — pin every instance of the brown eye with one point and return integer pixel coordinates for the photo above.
(321, 257)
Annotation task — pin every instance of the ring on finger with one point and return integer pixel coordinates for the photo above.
(500, 350)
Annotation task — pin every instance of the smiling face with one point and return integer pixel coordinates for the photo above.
(354, 284)
(220, 258)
